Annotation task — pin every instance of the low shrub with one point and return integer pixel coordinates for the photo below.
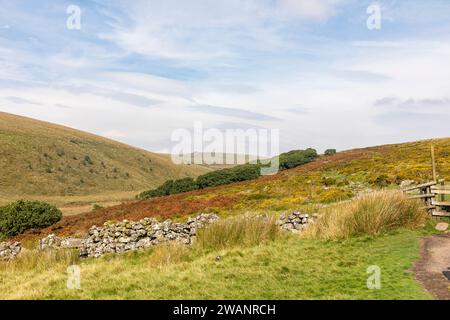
(330, 152)
(22, 215)
(170, 187)
(230, 175)
(295, 158)
(382, 181)
(96, 207)
(183, 185)
(369, 214)
(239, 231)
(333, 195)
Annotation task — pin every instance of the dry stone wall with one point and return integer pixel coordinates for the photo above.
(127, 235)
(9, 250)
(296, 221)
(130, 235)
(54, 242)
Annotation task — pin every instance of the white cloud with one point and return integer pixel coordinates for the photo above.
(246, 61)
(205, 31)
(319, 10)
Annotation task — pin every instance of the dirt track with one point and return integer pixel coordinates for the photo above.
(434, 262)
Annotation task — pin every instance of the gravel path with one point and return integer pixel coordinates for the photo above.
(433, 267)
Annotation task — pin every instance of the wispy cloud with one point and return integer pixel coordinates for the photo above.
(231, 112)
(310, 68)
(414, 105)
(19, 100)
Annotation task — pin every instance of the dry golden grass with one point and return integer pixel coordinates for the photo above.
(167, 254)
(245, 230)
(37, 260)
(369, 214)
(72, 205)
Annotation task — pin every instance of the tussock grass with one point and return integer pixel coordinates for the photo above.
(37, 260)
(167, 254)
(246, 230)
(369, 214)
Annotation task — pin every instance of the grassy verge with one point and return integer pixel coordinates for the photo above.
(286, 268)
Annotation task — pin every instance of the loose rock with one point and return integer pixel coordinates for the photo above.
(296, 221)
(442, 226)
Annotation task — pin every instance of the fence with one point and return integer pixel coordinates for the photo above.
(433, 194)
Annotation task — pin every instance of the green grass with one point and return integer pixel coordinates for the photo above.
(286, 268)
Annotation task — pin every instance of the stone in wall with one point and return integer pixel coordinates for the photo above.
(54, 242)
(9, 250)
(296, 221)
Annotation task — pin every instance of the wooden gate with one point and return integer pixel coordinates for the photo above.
(433, 194)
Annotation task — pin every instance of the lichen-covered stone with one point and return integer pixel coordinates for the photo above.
(296, 221)
(131, 235)
(9, 250)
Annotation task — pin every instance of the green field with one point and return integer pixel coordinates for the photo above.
(287, 268)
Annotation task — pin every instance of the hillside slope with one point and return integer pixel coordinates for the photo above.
(40, 158)
(325, 180)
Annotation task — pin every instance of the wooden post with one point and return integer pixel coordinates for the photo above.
(433, 161)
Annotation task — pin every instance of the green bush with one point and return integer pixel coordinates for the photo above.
(382, 181)
(230, 175)
(170, 187)
(295, 158)
(183, 185)
(22, 215)
(330, 152)
(162, 190)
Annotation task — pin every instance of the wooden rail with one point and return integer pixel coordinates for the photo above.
(433, 195)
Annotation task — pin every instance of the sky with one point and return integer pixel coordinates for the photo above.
(136, 71)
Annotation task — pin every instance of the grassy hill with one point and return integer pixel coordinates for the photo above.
(44, 159)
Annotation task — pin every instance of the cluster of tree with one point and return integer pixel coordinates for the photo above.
(22, 215)
(230, 175)
(170, 187)
(296, 158)
(243, 172)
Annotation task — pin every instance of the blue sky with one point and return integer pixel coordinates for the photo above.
(138, 70)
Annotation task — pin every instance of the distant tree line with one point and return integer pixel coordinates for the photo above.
(238, 173)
